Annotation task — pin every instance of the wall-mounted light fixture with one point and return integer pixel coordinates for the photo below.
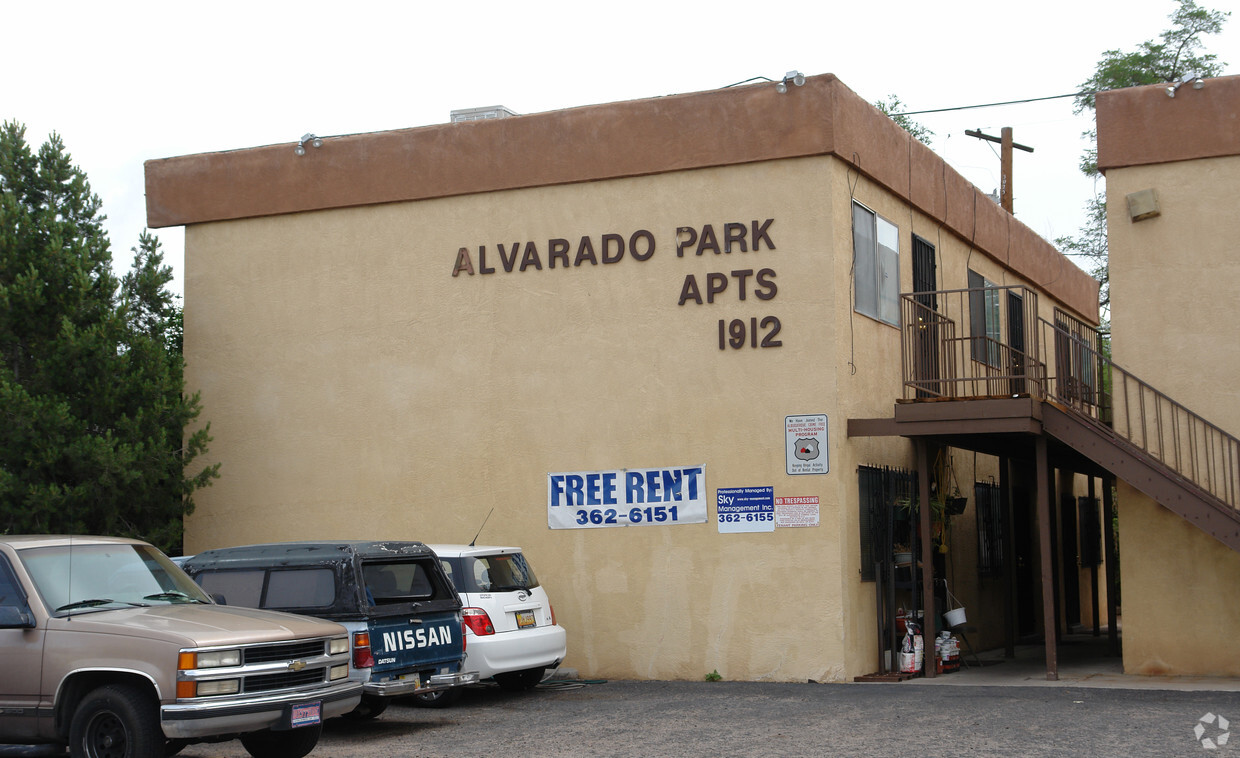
(1197, 81)
(794, 77)
(313, 140)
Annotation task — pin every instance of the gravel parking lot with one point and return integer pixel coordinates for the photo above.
(680, 719)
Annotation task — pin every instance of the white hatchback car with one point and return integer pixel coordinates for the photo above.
(511, 635)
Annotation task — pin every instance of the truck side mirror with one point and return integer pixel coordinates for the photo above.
(13, 617)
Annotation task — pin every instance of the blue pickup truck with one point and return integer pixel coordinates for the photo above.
(402, 613)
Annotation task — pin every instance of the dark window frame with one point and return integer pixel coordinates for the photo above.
(876, 266)
(985, 320)
(991, 527)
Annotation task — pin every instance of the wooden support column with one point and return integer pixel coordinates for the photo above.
(1108, 542)
(928, 625)
(1009, 560)
(1093, 567)
(1056, 547)
(1042, 486)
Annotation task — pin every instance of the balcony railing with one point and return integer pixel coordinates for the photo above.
(956, 346)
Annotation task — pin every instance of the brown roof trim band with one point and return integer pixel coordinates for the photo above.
(636, 138)
(1140, 126)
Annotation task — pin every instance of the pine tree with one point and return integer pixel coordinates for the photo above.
(92, 403)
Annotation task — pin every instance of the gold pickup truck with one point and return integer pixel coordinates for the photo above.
(108, 648)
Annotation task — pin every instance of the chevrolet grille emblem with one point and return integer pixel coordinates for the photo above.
(296, 665)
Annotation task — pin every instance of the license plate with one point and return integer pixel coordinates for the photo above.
(415, 678)
(307, 714)
(525, 618)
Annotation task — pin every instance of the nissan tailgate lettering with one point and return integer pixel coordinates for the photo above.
(411, 639)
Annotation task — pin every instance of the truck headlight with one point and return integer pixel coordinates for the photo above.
(338, 646)
(211, 660)
(219, 687)
(188, 689)
(340, 672)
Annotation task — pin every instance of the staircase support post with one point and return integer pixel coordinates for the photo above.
(1009, 561)
(1093, 566)
(1108, 543)
(1042, 488)
(929, 619)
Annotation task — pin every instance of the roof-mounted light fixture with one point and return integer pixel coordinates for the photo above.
(315, 141)
(793, 77)
(1197, 81)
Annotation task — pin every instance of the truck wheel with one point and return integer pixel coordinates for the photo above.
(369, 708)
(293, 743)
(116, 721)
(438, 698)
(519, 681)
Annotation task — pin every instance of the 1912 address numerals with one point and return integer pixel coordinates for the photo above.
(737, 332)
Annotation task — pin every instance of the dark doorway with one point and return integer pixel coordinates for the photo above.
(1016, 341)
(1070, 560)
(1028, 594)
(925, 284)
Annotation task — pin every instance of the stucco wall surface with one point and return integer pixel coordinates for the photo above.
(1181, 603)
(1173, 282)
(1173, 314)
(355, 388)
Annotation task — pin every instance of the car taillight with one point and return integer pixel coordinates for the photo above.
(552, 607)
(478, 621)
(362, 657)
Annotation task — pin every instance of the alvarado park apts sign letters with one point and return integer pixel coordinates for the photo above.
(591, 251)
(627, 497)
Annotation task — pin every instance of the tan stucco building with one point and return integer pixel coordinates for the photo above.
(397, 333)
(1172, 166)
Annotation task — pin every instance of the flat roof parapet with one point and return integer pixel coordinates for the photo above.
(722, 127)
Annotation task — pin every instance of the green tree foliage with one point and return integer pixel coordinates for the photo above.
(92, 403)
(892, 107)
(1176, 54)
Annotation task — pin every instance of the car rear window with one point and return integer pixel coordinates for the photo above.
(491, 573)
(283, 588)
(401, 582)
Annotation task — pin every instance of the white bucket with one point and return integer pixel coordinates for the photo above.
(955, 617)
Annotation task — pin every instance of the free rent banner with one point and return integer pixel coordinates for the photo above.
(627, 497)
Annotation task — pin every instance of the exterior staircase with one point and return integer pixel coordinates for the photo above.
(955, 354)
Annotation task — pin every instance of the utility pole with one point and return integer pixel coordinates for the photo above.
(1005, 161)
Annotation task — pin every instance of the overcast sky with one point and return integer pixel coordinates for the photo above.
(125, 82)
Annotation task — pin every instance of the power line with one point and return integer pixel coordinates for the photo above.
(992, 105)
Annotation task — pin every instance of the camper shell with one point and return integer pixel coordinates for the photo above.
(401, 610)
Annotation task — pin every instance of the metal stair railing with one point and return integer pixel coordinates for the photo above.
(1090, 384)
(952, 349)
